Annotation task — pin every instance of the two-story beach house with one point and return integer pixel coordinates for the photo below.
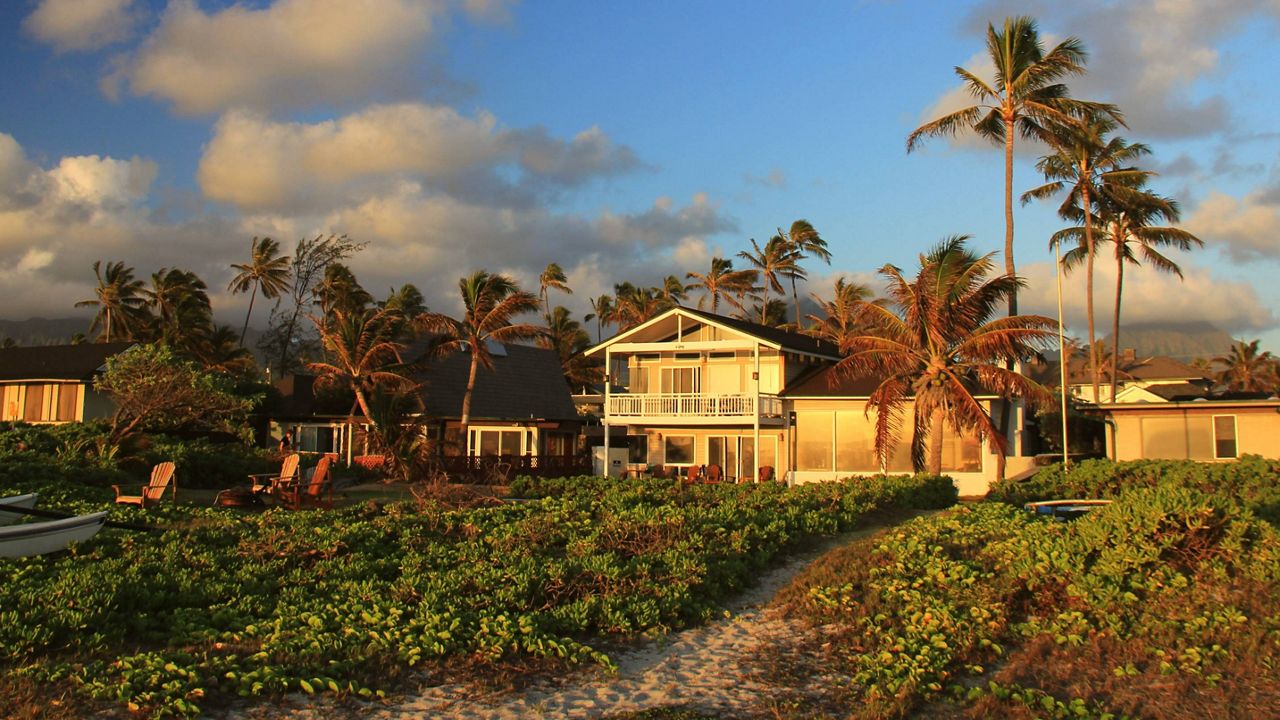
(703, 389)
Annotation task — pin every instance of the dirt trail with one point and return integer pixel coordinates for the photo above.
(711, 668)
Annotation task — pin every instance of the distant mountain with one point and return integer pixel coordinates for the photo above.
(43, 331)
(1181, 341)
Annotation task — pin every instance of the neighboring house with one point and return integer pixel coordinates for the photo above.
(1139, 379)
(54, 383)
(521, 408)
(1208, 428)
(704, 389)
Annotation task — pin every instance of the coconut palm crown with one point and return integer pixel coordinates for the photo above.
(934, 348)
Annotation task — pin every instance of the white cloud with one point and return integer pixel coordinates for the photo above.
(292, 53)
(256, 163)
(1245, 229)
(103, 181)
(1149, 297)
(82, 24)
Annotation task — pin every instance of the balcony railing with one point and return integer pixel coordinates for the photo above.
(689, 405)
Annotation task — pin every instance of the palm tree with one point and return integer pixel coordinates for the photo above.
(566, 336)
(805, 242)
(634, 305)
(672, 291)
(340, 290)
(266, 271)
(1083, 159)
(363, 358)
(552, 278)
(722, 281)
(1023, 97)
(408, 303)
(935, 346)
(1244, 369)
(839, 320)
(1127, 215)
(491, 302)
(601, 310)
(119, 301)
(221, 352)
(776, 260)
(179, 300)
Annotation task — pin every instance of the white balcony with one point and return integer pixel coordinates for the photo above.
(694, 408)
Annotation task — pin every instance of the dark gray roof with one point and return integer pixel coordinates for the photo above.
(57, 362)
(795, 342)
(527, 383)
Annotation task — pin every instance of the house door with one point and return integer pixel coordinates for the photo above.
(723, 451)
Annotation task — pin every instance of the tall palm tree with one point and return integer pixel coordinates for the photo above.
(220, 351)
(776, 260)
(672, 291)
(1084, 158)
(1244, 369)
(601, 310)
(266, 271)
(552, 278)
(340, 290)
(362, 358)
(119, 301)
(633, 305)
(179, 299)
(1128, 213)
(491, 303)
(805, 242)
(566, 336)
(721, 281)
(839, 320)
(934, 346)
(1022, 97)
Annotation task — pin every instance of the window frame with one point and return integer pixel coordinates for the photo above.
(693, 450)
(1235, 438)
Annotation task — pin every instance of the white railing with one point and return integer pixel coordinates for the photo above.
(735, 405)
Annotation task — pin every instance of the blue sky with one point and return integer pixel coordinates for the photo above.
(624, 141)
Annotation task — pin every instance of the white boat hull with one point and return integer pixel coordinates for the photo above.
(26, 502)
(39, 538)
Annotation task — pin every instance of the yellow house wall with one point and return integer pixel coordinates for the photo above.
(743, 362)
(1257, 430)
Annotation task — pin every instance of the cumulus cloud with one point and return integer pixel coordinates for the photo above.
(292, 53)
(1244, 228)
(1149, 297)
(257, 163)
(70, 25)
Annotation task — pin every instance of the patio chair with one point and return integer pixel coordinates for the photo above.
(766, 473)
(714, 474)
(269, 483)
(693, 475)
(153, 492)
(316, 492)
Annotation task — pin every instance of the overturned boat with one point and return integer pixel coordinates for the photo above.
(20, 502)
(38, 538)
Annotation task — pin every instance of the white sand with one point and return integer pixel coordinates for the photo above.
(712, 668)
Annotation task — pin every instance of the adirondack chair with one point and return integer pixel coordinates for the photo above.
(269, 483)
(153, 492)
(766, 473)
(714, 474)
(316, 492)
(693, 474)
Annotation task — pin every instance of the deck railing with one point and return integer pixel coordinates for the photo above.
(725, 405)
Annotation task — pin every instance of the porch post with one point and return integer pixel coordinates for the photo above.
(755, 452)
(604, 416)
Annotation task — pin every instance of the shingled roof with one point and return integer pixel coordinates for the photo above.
(787, 340)
(526, 383)
(57, 362)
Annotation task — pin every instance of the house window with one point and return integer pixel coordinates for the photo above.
(813, 440)
(486, 441)
(33, 411)
(856, 442)
(12, 409)
(67, 396)
(678, 450)
(315, 439)
(681, 380)
(1224, 436)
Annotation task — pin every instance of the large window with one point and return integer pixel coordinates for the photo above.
(1224, 436)
(67, 397)
(678, 450)
(492, 441)
(813, 440)
(12, 409)
(856, 442)
(681, 380)
(1179, 438)
(33, 411)
(316, 439)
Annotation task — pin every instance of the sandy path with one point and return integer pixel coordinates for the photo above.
(712, 668)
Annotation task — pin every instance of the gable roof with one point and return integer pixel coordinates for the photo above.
(527, 383)
(57, 362)
(1150, 369)
(784, 340)
(826, 382)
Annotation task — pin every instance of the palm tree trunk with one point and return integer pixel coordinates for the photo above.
(466, 399)
(364, 405)
(1008, 210)
(244, 331)
(1115, 322)
(108, 324)
(937, 425)
(1088, 281)
(764, 303)
(795, 296)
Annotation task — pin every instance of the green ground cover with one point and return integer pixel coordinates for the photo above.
(225, 604)
(1165, 603)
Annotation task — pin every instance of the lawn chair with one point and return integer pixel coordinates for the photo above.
(316, 492)
(693, 475)
(270, 483)
(153, 492)
(766, 473)
(714, 474)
